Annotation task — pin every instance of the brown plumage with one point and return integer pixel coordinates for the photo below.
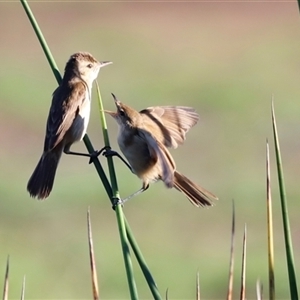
(67, 120)
(144, 137)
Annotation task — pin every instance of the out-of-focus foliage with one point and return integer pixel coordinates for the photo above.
(226, 60)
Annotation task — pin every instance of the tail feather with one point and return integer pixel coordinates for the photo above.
(41, 181)
(196, 194)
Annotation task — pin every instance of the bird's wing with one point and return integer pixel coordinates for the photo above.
(172, 122)
(64, 108)
(159, 152)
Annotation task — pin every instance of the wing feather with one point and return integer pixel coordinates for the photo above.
(159, 152)
(171, 123)
(64, 108)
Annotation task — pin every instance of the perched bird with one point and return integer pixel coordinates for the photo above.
(144, 137)
(67, 120)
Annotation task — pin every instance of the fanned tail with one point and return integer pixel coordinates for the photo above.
(196, 194)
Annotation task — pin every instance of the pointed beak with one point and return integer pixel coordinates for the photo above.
(116, 100)
(112, 113)
(104, 63)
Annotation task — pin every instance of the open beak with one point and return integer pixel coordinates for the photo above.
(114, 96)
(117, 102)
(112, 113)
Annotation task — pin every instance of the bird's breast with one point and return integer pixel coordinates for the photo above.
(82, 117)
(136, 151)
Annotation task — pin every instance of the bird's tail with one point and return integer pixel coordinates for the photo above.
(196, 194)
(41, 181)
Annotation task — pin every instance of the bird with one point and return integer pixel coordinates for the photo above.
(67, 121)
(144, 137)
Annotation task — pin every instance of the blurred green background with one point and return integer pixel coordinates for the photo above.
(224, 59)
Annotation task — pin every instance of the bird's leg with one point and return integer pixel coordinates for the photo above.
(92, 155)
(109, 152)
(67, 151)
(118, 201)
(141, 190)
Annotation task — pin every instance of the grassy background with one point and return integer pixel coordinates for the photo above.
(226, 60)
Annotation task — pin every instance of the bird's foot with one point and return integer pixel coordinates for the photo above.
(117, 201)
(96, 153)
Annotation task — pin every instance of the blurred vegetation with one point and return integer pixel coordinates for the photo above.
(226, 60)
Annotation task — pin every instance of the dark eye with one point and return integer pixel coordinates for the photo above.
(89, 66)
(122, 113)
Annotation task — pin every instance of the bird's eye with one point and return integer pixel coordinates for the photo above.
(89, 66)
(122, 112)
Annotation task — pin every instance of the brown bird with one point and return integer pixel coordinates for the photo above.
(67, 120)
(144, 137)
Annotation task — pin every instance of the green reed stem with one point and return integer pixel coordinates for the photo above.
(285, 214)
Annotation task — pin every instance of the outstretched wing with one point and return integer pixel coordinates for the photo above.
(64, 108)
(170, 123)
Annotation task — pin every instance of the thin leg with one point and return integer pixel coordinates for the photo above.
(109, 152)
(90, 155)
(76, 153)
(118, 201)
(141, 190)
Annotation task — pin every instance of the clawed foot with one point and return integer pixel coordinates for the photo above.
(97, 153)
(109, 153)
(116, 201)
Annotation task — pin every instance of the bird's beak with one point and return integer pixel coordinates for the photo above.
(105, 63)
(117, 102)
(112, 113)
